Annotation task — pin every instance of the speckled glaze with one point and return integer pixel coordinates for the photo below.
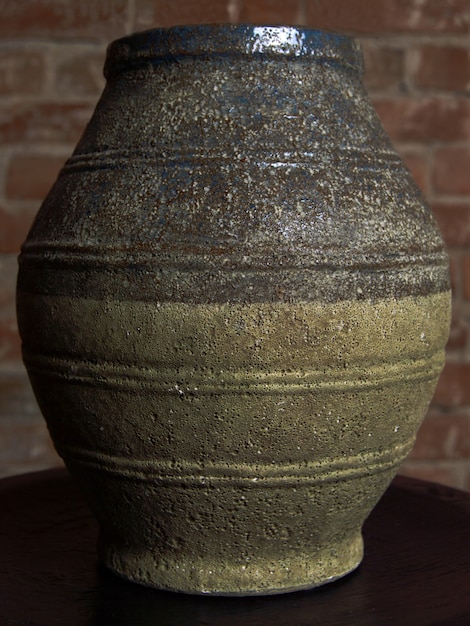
(234, 304)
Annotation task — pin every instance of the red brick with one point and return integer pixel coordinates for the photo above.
(21, 71)
(466, 275)
(80, 74)
(442, 67)
(453, 388)
(8, 272)
(10, 345)
(458, 334)
(451, 170)
(14, 226)
(43, 122)
(16, 397)
(9, 339)
(418, 166)
(466, 477)
(90, 19)
(26, 447)
(270, 11)
(386, 16)
(454, 222)
(30, 177)
(425, 119)
(445, 474)
(165, 13)
(443, 437)
(383, 65)
(459, 327)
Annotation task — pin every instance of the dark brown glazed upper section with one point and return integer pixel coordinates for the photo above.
(163, 44)
(235, 164)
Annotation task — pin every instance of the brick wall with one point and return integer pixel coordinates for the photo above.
(417, 55)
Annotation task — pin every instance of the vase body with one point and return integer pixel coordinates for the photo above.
(234, 304)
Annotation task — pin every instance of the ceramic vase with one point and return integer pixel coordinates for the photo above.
(234, 304)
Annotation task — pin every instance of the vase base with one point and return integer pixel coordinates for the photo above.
(252, 577)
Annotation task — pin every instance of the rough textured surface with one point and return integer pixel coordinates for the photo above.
(48, 545)
(238, 298)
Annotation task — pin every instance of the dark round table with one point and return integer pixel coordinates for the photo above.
(416, 569)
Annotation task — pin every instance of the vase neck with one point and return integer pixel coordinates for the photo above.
(164, 45)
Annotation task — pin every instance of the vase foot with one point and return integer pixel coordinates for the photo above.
(245, 577)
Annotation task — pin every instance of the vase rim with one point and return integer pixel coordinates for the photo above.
(203, 40)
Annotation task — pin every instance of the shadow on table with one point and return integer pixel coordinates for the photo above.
(122, 603)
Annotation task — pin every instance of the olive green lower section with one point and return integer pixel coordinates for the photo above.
(279, 574)
(228, 538)
(233, 449)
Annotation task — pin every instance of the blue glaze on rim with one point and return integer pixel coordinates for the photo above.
(166, 44)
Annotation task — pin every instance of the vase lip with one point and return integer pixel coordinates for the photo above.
(231, 40)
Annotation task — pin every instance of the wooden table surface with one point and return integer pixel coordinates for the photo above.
(416, 569)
